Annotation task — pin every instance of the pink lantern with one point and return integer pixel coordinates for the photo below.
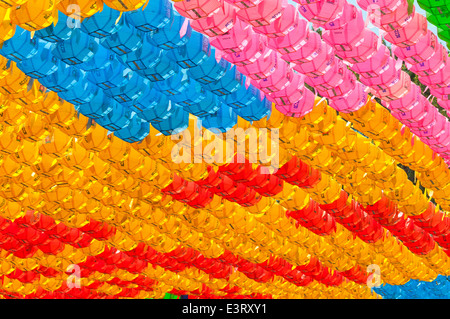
(385, 79)
(341, 90)
(319, 65)
(442, 142)
(419, 52)
(444, 103)
(332, 78)
(407, 102)
(416, 114)
(281, 26)
(218, 23)
(262, 67)
(352, 101)
(243, 4)
(432, 131)
(440, 79)
(385, 6)
(262, 14)
(348, 13)
(433, 65)
(276, 81)
(198, 9)
(392, 21)
(299, 108)
(292, 41)
(321, 12)
(375, 65)
(427, 121)
(346, 38)
(441, 93)
(252, 52)
(234, 40)
(397, 89)
(292, 93)
(310, 50)
(410, 34)
(363, 51)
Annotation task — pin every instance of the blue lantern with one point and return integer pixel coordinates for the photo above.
(174, 85)
(209, 105)
(42, 64)
(256, 110)
(221, 121)
(146, 57)
(163, 70)
(131, 91)
(209, 71)
(102, 59)
(102, 24)
(229, 83)
(242, 97)
(115, 75)
(193, 53)
(156, 15)
(127, 40)
(98, 107)
(20, 47)
(78, 49)
(168, 37)
(150, 98)
(177, 122)
(56, 33)
(81, 92)
(158, 112)
(135, 131)
(116, 119)
(63, 79)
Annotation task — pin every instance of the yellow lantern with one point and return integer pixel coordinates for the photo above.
(79, 9)
(35, 15)
(125, 5)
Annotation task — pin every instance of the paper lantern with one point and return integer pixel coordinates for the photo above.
(319, 12)
(102, 24)
(210, 70)
(345, 39)
(235, 40)
(127, 40)
(374, 65)
(299, 108)
(318, 65)
(195, 52)
(35, 15)
(292, 41)
(218, 23)
(198, 9)
(261, 14)
(263, 67)
(282, 25)
(152, 17)
(146, 57)
(125, 5)
(55, 33)
(20, 47)
(80, 9)
(169, 37)
(410, 34)
(252, 52)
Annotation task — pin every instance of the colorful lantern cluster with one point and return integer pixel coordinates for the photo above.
(99, 98)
